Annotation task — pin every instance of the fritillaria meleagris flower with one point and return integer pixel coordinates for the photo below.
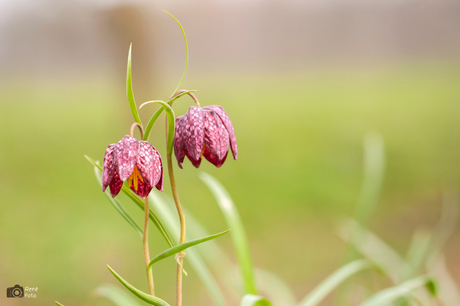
(206, 132)
(137, 162)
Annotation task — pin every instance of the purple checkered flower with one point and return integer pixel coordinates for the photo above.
(206, 132)
(137, 162)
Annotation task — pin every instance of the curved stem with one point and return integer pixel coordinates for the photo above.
(180, 257)
(185, 91)
(133, 126)
(145, 240)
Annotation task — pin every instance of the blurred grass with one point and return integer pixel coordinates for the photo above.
(300, 168)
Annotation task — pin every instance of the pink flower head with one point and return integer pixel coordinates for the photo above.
(206, 132)
(136, 161)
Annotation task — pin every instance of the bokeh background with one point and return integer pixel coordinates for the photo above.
(302, 81)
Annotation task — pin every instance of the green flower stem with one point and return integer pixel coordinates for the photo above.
(145, 241)
(179, 256)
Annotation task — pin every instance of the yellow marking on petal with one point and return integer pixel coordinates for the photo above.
(134, 178)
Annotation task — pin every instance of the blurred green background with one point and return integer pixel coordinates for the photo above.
(300, 126)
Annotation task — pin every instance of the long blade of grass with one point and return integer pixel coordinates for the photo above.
(374, 249)
(129, 89)
(167, 214)
(153, 300)
(118, 206)
(387, 296)
(140, 204)
(238, 234)
(254, 300)
(115, 294)
(180, 247)
(334, 280)
(57, 303)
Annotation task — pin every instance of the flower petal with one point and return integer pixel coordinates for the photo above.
(146, 161)
(108, 167)
(215, 136)
(143, 189)
(125, 156)
(213, 159)
(179, 148)
(196, 163)
(158, 171)
(228, 125)
(192, 132)
(115, 184)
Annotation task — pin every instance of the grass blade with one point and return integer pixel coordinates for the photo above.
(334, 280)
(115, 294)
(180, 247)
(57, 303)
(129, 89)
(118, 206)
(374, 249)
(153, 300)
(387, 296)
(449, 292)
(254, 300)
(140, 204)
(168, 215)
(238, 234)
(418, 250)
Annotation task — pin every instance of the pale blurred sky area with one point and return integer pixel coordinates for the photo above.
(49, 36)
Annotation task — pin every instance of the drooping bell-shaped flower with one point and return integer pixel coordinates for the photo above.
(206, 132)
(137, 162)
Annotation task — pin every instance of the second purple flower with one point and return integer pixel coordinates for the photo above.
(207, 132)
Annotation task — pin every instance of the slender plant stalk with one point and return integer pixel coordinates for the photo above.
(180, 256)
(145, 241)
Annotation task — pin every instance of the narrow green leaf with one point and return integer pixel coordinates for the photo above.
(155, 116)
(117, 295)
(118, 206)
(57, 303)
(254, 300)
(140, 204)
(334, 280)
(387, 296)
(417, 252)
(374, 249)
(153, 300)
(171, 122)
(238, 234)
(129, 89)
(186, 53)
(180, 247)
(167, 213)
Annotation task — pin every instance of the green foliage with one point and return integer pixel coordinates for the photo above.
(334, 280)
(238, 234)
(254, 300)
(387, 296)
(153, 300)
(129, 89)
(183, 246)
(117, 295)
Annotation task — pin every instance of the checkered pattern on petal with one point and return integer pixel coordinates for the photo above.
(228, 125)
(115, 184)
(108, 167)
(179, 147)
(213, 159)
(158, 170)
(125, 156)
(145, 162)
(192, 132)
(216, 138)
(143, 189)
